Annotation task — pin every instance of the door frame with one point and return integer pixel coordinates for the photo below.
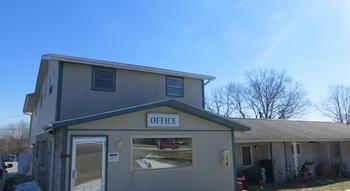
(94, 136)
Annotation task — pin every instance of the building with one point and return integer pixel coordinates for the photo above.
(272, 144)
(99, 125)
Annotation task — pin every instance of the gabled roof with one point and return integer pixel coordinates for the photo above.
(181, 106)
(119, 65)
(268, 130)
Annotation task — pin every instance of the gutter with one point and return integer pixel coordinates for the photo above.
(208, 81)
(234, 162)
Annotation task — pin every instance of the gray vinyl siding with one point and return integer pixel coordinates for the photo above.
(207, 174)
(47, 111)
(132, 88)
(42, 160)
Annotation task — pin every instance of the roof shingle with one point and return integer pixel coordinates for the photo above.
(265, 130)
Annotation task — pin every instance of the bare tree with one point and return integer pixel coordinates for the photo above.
(265, 94)
(227, 100)
(14, 138)
(271, 94)
(337, 104)
(219, 102)
(236, 92)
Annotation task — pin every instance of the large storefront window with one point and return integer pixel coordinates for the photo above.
(159, 153)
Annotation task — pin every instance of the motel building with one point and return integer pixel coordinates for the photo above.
(107, 126)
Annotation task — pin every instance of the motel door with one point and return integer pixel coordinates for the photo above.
(88, 164)
(335, 152)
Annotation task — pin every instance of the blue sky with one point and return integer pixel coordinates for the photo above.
(309, 39)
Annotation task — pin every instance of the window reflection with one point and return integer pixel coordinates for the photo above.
(158, 153)
(88, 167)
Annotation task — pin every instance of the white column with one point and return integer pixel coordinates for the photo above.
(295, 151)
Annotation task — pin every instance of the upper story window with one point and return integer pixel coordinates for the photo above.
(103, 79)
(174, 86)
(51, 85)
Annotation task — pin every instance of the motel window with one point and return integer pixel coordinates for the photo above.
(174, 86)
(298, 149)
(51, 85)
(103, 79)
(247, 159)
(161, 153)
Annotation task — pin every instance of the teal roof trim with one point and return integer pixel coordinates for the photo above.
(181, 106)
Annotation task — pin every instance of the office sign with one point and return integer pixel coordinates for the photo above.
(163, 120)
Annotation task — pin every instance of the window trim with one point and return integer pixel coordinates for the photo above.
(161, 169)
(182, 86)
(251, 155)
(299, 154)
(93, 69)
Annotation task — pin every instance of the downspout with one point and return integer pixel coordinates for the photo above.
(203, 94)
(207, 82)
(234, 161)
(52, 159)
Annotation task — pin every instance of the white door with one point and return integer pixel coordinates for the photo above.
(88, 164)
